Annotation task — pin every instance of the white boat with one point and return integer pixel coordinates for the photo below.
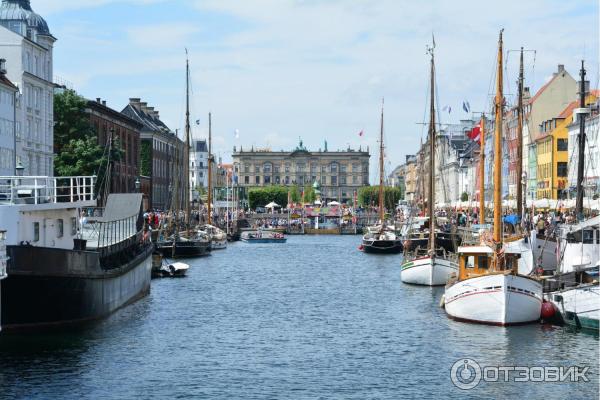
(488, 288)
(218, 238)
(501, 297)
(428, 271)
(3, 262)
(430, 266)
(579, 306)
(174, 270)
(522, 247)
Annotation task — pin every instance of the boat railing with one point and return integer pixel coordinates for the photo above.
(44, 189)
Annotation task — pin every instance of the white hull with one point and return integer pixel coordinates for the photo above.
(581, 301)
(496, 299)
(218, 244)
(428, 271)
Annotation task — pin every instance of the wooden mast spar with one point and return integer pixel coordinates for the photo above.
(381, 152)
(482, 172)
(209, 206)
(498, 152)
(431, 197)
(520, 140)
(187, 145)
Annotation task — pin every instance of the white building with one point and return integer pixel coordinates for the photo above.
(198, 167)
(591, 181)
(7, 123)
(26, 43)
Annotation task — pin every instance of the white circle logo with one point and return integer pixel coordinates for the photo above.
(465, 374)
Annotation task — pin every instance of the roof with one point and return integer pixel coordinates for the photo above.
(20, 10)
(149, 122)
(539, 92)
(6, 82)
(201, 146)
(475, 249)
(574, 104)
(102, 108)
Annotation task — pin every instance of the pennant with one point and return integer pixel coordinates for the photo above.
(447, 108)
(466, 106)
(197, 122)
(361, 133)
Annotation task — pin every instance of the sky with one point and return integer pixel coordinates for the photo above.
(280, 70)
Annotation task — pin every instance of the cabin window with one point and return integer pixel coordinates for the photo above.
(470, 262)
(482, 262)
(73, 226)
(36, 231)
(61, 228)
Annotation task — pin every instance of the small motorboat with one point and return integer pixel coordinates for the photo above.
(263, 237)
(174, 270)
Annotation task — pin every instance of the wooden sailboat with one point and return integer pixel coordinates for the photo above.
(430, 266)
(177, 240)
(488, 288)
(218, 238)
(381, 239)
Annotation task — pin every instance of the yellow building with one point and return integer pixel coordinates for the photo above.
(553, 153)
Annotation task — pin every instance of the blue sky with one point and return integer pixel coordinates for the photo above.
(277, 70)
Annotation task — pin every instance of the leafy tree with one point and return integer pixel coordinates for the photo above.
(295, 194)
(260, 197)
(76, 147)
(369, 195)
(464, 196)
(146, 158)
(309, 194)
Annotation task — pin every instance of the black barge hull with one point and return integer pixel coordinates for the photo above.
(48, 288)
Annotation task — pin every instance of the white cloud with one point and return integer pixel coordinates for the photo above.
(58, 6)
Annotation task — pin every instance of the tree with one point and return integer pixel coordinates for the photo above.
(260, 197)
(369, 195)
(146, 158)
(76, 147)
(464, 196)
(295, 194)
(309, 194)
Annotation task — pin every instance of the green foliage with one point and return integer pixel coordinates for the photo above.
(146, 158)
(295, 194)
(369, 196)
(464, 196)
(309, 194)
(76, 147)
(260, 197)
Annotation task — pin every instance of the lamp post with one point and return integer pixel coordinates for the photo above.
(138, 184)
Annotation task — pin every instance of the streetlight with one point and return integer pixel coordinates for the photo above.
(19, 169)
(137, 185)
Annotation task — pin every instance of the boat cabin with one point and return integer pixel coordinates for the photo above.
(481, 260)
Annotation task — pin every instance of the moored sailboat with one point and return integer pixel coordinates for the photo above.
(381, 239)
(430, 266)
(489, 288)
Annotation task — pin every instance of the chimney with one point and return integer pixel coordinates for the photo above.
(104, 103)
(561, 68)
(2, 67)
(98, 100)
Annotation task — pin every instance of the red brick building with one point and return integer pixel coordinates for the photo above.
(124, 131)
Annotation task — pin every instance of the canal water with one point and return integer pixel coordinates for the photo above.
(311, 319)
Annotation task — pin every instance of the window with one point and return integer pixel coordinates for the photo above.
(267, 167)
(562, 145)
(61, 228)
(355, 167)
(267, 180)
(287, 180)
(313, 168)
(246, 168)
(277, 180)
(334, 168)
(355, 179)
(343, 180)
(300, 167)
(561, 169)
(287, 167)
(482, 262)
(256, 168)
(36, 231)
(257, 180)
(246, 179)
(334, 180)
(276, 169)
(343, 168)
(323, 169)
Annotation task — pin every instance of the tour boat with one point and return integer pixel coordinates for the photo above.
(263, 237)
(429, 266)
(218, 238)
(380, 239)
(488, 288)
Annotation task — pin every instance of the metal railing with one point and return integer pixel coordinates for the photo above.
(44, 189)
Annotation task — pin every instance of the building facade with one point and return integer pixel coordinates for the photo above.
(340, 173)
(27, 45)
(198, 168)
(8, 93)
(124, 132)
(162, 156)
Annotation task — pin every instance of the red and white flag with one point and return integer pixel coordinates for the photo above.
(475, 133)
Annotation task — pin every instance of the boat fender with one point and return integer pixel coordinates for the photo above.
(443, 301)
(548, 310)
(361, 247)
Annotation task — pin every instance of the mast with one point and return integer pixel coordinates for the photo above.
(209, 209)
(498, 151)
(581, 150)
(381, 150)
(431, 197)
(520, 139)
(187, 144)
(482, 172)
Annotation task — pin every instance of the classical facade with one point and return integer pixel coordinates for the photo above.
(27, 45)
(162, 155)
(8, 92)
(340, 173)
(111, 125)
